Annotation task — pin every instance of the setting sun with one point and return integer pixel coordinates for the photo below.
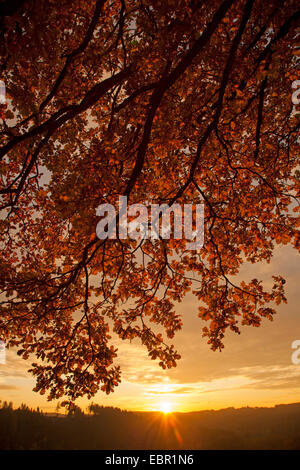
(165, 407)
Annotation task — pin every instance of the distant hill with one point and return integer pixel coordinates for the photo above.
(112, 428)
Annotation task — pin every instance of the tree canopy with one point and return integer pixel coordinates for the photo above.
(162, 101)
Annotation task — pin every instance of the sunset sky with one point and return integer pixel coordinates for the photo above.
(168, 105)
(254, 369)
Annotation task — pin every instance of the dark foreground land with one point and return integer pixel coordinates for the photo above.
(112, 428)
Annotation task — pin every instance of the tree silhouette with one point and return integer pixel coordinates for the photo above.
(167, 102)
(112, 428)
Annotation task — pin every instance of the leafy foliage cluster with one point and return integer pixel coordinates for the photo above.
(162, 101)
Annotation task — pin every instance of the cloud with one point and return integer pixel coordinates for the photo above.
(137, 367)
(14, 366)
(273, 377)
(215, 385)
(177, 391)
(259, 378)
(8, 387)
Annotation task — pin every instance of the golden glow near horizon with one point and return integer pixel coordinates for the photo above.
(165, 407)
